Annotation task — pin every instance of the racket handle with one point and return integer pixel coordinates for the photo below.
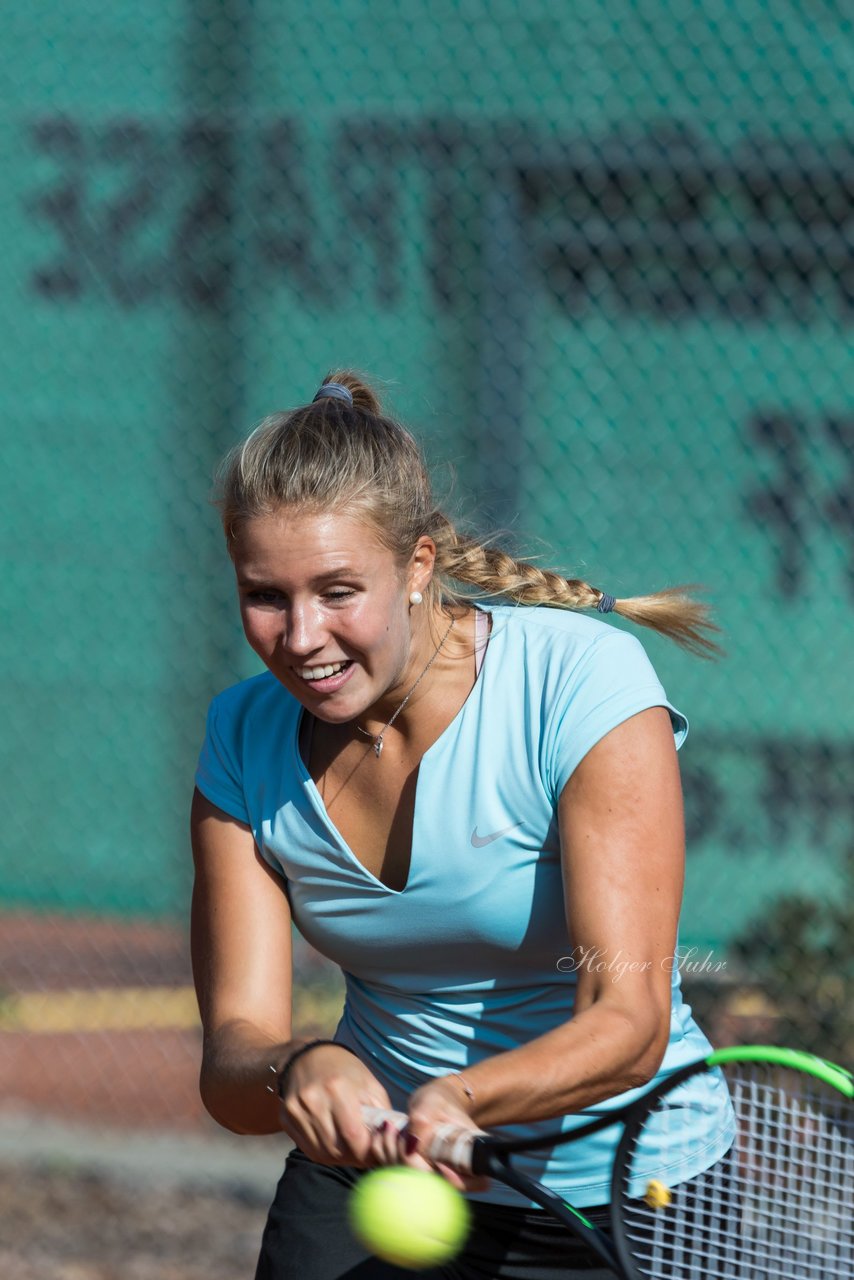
(374, 1117)
(451, 1144)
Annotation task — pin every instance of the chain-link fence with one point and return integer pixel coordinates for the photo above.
(601, 256)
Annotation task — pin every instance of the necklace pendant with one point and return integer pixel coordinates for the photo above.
(378, 742)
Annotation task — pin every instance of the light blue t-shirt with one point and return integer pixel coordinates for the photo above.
(472, 957)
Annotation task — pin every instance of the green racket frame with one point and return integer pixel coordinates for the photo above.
(490, 1156)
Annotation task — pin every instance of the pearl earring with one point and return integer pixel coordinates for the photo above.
(415, 597)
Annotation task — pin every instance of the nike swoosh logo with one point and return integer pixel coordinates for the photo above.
(480, 841)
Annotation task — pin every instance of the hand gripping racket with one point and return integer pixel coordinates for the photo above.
(737, 1167)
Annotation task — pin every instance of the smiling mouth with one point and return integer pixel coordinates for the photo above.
(323, 671)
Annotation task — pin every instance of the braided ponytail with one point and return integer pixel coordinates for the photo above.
(464, 559)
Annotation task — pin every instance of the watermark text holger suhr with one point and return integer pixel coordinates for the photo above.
(688, 960)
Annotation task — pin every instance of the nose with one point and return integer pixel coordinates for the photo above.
(304, 632)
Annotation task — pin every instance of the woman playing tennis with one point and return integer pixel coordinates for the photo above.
(474, 809)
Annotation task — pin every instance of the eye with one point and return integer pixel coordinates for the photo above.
(339, 595)
(263, 597)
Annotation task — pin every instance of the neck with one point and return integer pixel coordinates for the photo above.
(433, 667)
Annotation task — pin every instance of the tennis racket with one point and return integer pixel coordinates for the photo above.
(737, 1167)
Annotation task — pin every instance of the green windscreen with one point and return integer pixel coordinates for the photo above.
(601, 259)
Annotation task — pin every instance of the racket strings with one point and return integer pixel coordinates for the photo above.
(776, 1206)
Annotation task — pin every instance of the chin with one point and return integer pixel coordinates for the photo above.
(342, 718)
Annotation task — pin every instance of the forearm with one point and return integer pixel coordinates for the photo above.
(601, 1052)
(236, 1073)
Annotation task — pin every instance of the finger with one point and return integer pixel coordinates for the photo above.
(383, 1141)
(315, 1151)
(375, 1142)
(366, 1140)
(383, 1149)
(336, 1127)
(415, 1161)
(358, 1145)
(315, 1138)
(462, 1181)
(390, 1145)
(391, 1151)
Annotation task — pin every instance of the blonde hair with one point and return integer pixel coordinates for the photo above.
(333, 456)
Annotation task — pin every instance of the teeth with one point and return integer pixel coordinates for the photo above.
(321, 673)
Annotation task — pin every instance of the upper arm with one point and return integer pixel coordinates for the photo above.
(622, 848)
(240, 927)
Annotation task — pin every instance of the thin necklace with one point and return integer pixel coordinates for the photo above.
(378, 741)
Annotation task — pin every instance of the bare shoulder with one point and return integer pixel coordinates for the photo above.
(212, 829)
(639, 746)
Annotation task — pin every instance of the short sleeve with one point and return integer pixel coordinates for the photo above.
(218, 774)
(612, 681)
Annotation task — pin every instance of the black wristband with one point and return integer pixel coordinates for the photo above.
(282, 1073)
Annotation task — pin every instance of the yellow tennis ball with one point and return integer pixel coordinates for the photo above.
(657, 1194)
(411, 1217)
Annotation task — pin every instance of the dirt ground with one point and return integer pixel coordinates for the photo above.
(99, 1056)
(55, 1225)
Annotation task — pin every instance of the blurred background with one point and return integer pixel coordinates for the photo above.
(600, 259)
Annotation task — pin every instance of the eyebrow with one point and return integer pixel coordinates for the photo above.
(343, 571)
